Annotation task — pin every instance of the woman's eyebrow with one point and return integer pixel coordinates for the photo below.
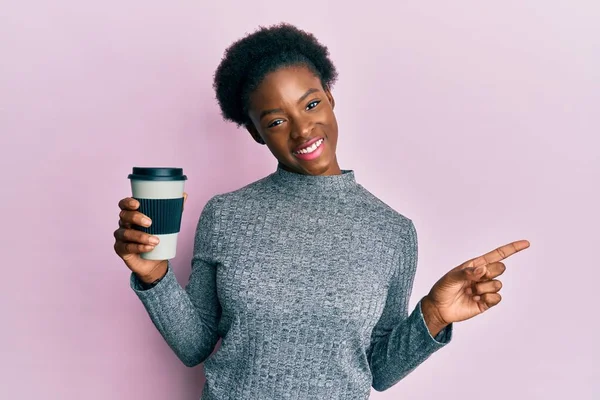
(305, 95)
(271, 111)
(277, 110)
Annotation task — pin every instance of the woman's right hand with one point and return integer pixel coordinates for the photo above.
(130, 243)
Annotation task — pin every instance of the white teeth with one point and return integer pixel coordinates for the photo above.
(310, 149)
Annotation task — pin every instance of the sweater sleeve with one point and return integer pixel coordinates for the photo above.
(188, 318)
(401, 342)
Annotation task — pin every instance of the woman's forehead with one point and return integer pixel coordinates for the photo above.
(288, 84)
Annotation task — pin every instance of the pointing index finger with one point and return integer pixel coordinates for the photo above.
(501, 253)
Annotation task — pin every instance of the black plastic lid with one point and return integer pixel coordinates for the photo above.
(157, 174)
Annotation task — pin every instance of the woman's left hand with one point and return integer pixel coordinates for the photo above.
(471, 288)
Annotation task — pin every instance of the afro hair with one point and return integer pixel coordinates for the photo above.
(247, 61)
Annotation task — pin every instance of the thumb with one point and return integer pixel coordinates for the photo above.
(467, 273)
(184, 199)
(475, 273)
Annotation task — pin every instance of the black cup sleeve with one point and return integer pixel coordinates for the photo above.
(164, 213)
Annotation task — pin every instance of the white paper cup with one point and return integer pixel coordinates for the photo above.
(160, 194)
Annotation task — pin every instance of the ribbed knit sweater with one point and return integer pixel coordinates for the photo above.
(306, 279)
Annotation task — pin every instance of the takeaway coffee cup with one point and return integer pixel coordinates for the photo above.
(160, 194)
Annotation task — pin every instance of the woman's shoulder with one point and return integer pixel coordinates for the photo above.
(253, 193)
(378, 206)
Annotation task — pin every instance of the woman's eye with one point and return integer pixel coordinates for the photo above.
(312, 104)
(275, 123)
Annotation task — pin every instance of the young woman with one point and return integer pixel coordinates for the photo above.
(304, 274)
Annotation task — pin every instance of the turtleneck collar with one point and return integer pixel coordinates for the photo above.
(315, 184)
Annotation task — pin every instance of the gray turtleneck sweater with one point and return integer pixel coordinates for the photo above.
(306, 279)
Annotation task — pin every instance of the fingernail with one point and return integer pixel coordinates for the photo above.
(146, 222)
(154, 240)
(132, 203)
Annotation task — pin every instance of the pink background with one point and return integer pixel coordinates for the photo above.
(479, 121)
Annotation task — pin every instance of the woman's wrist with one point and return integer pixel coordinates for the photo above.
(434, 323)
(150, 285)
(151, 280)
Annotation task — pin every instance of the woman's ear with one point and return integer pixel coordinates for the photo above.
(254, 133)
(330, 98)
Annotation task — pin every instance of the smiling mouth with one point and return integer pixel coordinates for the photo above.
(310, 149)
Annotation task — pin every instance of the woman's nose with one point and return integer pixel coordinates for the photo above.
(302, 129)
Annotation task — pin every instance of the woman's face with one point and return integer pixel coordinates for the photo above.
(288, 110)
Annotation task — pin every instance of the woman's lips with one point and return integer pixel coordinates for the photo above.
(313, 155)
(307, 144)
